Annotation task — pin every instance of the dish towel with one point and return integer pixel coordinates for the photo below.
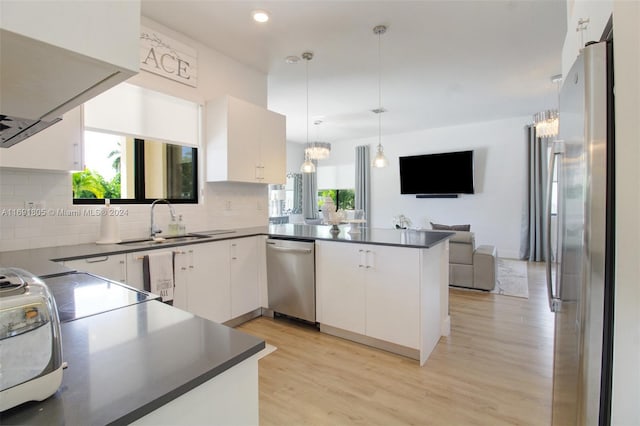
(157, 270)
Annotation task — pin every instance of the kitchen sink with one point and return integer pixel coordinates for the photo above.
(164, 240)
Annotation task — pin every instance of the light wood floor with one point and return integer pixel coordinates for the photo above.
(494, 369)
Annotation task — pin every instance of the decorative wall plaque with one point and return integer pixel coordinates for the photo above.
(169, 58)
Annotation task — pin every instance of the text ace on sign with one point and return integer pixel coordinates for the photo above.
(164, 56)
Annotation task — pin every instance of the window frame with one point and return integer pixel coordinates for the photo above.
(337, 200)
(139, 182)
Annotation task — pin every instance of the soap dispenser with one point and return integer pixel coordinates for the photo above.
(174, 229)
(182, 229)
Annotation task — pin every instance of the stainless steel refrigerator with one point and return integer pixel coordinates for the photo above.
(580, 277)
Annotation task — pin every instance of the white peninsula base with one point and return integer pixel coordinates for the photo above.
(393, 298)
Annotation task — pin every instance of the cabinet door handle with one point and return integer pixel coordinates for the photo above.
(370, 264)
(363, 259)
(97, 260)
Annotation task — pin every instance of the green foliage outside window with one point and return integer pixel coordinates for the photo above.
(344, 199)
(90, 184)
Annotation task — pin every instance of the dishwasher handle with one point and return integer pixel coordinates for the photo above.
(289, 250)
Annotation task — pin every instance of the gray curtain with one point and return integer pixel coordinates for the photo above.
(310, 195)
(532, 238)
(363, 180)
(297, 193)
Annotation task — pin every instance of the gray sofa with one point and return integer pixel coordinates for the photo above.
(471, 266)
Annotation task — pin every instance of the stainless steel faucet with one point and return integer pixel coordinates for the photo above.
(154, 228)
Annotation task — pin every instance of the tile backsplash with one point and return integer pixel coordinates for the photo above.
(60, 222)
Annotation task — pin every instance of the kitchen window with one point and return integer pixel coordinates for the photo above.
(128, 170)
(344, 199)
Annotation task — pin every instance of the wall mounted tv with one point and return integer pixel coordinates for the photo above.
(438, 175)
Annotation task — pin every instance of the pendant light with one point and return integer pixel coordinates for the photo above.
(379, 160)
(307, 166)
(318, 150)
(547, 122)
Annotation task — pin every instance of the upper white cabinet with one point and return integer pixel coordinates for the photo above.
(58, 147)
(245, 142)
(586, 21)
(57, 55)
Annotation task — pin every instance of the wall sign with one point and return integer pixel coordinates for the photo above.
(169, 58)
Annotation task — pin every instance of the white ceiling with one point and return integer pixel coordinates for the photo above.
(444, 62)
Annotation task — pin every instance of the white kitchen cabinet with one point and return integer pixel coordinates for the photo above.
(393, 294)
(208, 287)
(61, 57)
(58, 147)
(245, 294)
(111, 266)
(135, 278)
(340, 286)
(371, 290)
(216, 280)
(245, 142)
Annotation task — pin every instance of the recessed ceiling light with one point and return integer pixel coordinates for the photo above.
(260, 15)
(292, 59)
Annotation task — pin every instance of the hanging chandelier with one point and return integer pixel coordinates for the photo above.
(307, 166)
(379, 160)
(318, 150)
(546, 123)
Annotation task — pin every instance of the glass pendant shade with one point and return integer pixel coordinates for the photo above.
(380, 160)
(318, 150)
(308, 166)
(546, 123)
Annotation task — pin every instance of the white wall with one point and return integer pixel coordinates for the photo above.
(295, 157)
(494, 211)
(626, 346)
(223, 205)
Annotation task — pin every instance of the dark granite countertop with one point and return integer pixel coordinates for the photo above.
(125, 363)
(42, 261)
(387, 237)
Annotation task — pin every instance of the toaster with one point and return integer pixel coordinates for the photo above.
(30, 342)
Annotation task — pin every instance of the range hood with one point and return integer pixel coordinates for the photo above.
(16, 129)
(39, 82)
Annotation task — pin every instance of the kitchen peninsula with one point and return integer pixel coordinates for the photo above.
(383, 287)
(386, 288)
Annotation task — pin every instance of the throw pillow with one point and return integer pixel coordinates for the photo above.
(440, 227)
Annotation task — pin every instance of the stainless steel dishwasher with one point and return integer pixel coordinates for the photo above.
(291, 278)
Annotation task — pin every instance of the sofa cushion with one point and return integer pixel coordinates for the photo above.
(440, 227)
(460, 253)
(463, 237)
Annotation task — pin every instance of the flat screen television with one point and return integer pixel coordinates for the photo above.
(444, 173)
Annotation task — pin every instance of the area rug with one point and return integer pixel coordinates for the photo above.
(268, 349)
(512, 278)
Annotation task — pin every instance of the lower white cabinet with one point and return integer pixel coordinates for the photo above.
(135, 276)
(340, 286)
(216, 280)
(372, 290)
(111, 266)
(208, 289)
(243, 275)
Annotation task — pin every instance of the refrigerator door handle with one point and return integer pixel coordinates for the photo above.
(556, 149)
